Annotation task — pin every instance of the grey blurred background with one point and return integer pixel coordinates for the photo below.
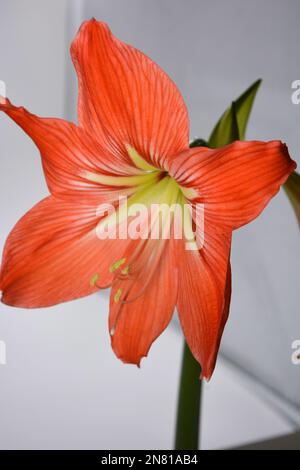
(62, 387)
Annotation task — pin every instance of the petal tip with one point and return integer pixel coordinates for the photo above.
(207, 371)
(4, 103)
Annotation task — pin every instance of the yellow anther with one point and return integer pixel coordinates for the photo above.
(125, 271)
(116, 265)
(94, 279)
(118, 295)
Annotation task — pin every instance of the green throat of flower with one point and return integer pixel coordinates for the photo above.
(151, 201)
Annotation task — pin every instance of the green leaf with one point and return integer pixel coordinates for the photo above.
(227, 129)
(232, 124)
(292, 189)
(244, 106)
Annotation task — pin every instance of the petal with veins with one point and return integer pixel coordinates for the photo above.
(70, 156)
(204, 296)
(235, 182)
(126, 99)
(142, 304)
(53, 255)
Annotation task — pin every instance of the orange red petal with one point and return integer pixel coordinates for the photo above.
(204, 297)
(53, 255)
(142, 303)
(125, 98)
(69, 156)
(235, 182)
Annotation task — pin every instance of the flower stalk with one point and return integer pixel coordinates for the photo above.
(230, 127)
(189, 403)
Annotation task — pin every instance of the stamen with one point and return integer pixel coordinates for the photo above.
(116, 265)
(94, 280)
(125, 271)
(107, 180)
(139, 161)
(118, 295)
(149, 260)
(189, 193)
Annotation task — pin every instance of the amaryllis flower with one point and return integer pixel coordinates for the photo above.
(133, 140)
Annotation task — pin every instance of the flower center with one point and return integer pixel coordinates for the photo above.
(154, 212)
(151, 204)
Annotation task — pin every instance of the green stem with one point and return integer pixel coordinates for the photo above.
(189, 403)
